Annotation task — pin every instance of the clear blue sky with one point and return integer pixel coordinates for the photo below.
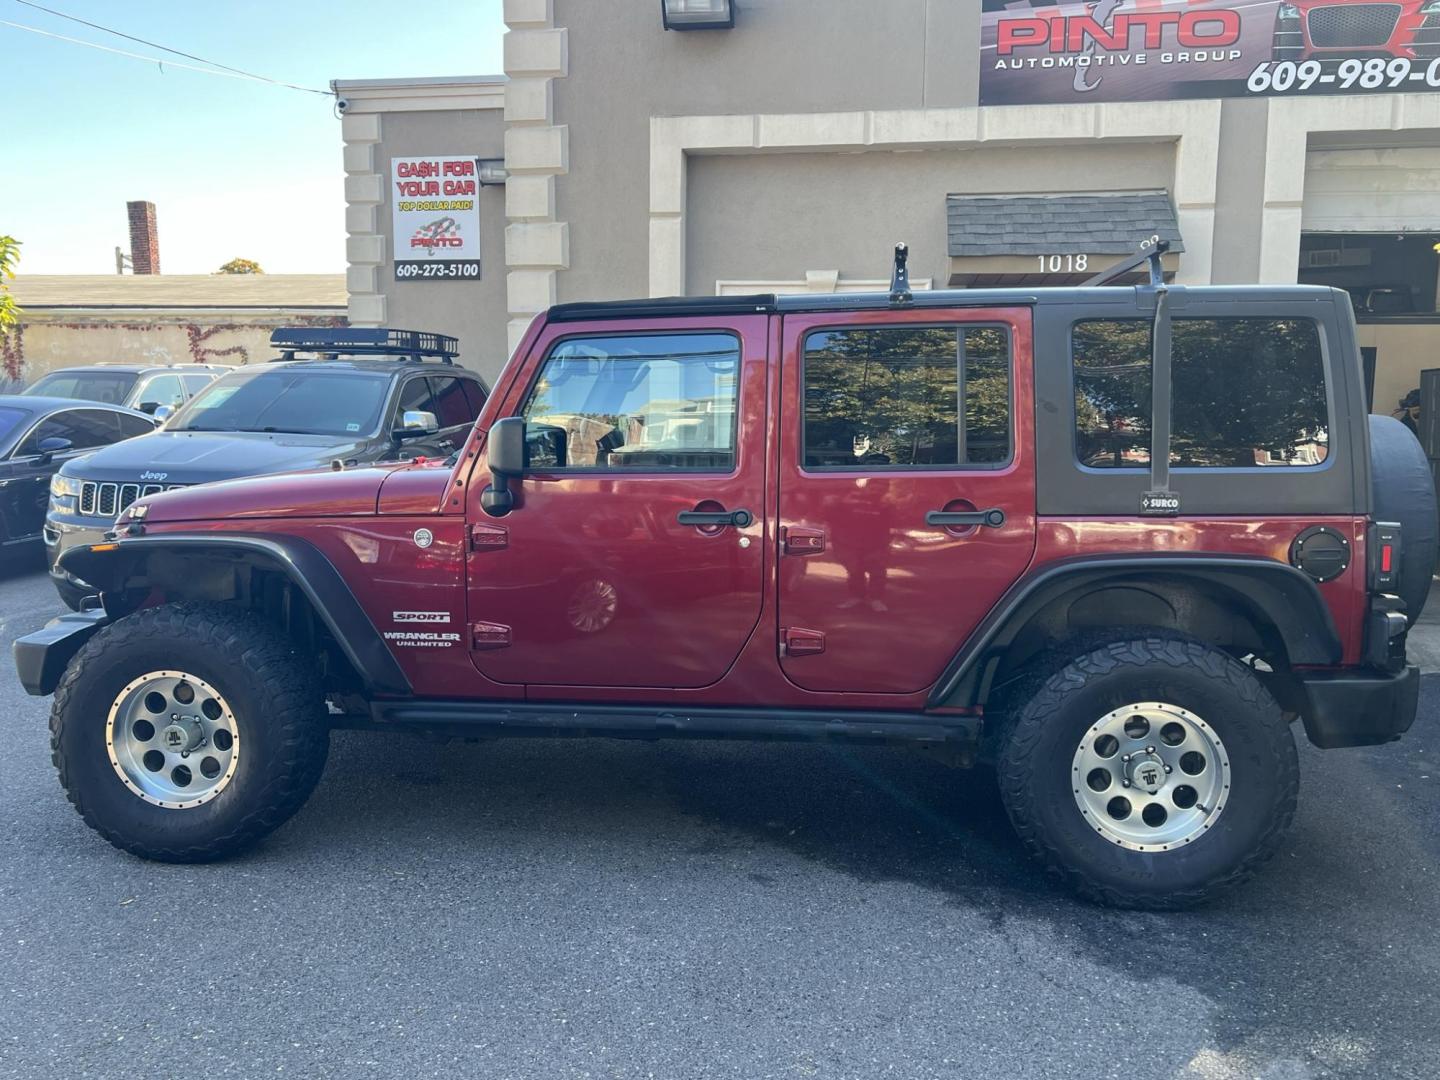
(234, 168)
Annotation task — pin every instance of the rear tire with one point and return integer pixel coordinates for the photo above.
(253, 732)
(1246, 765)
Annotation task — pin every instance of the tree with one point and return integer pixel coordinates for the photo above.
(9, 310)
(240, 266)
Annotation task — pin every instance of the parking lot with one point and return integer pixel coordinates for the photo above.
(567, 909)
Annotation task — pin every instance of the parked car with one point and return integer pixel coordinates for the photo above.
(146, 387)
(368, 401)
(37, 436)
(941, 518)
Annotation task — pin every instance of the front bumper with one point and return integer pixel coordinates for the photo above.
(1359, 708)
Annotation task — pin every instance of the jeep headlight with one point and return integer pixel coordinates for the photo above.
(62, 486)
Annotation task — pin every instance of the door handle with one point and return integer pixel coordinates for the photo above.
(993, 518)
(740, 519)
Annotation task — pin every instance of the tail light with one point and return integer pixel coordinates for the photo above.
(1385, 550)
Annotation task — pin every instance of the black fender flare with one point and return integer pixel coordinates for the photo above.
(111, 566)
(1266, 590)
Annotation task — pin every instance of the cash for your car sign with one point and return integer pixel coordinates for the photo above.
(1144, 50)
(436, 215)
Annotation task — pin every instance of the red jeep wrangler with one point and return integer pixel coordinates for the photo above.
(1111, 540)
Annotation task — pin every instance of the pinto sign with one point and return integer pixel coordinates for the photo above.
(435, 203)
(1139, 50)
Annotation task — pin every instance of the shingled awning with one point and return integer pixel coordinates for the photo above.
(1057, 239)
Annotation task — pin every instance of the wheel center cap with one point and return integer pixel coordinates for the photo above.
(1146, 772)
(182, 735)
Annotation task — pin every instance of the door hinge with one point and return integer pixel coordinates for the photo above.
(485, 537)
(802, 541)
(797, 641)
(489, 635)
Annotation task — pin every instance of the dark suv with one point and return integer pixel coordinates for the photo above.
(1114, 541)
(370, 395)
(145, 387)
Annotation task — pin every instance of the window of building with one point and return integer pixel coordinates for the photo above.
(1247, 392)
(899, 397)
(652, 401)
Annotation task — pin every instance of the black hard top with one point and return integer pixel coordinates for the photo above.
(1136, 297)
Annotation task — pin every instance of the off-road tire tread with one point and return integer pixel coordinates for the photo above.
(289, 695)
(1037, 702)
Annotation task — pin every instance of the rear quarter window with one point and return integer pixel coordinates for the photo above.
(1248, 392)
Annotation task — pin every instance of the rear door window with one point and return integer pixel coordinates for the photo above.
(1247, 392)
(907, 397)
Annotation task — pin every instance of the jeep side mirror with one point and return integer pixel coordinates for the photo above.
(416, 424)
(163, 413)
(505, 450)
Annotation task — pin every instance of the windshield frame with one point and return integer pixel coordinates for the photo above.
(187, 413)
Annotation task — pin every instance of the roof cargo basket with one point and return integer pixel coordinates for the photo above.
(365, 341)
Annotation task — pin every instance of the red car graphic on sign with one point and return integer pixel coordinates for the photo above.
(1327, 29)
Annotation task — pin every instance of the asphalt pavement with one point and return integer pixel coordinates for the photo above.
(559, 909)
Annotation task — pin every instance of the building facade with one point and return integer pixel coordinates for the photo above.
(792, 150)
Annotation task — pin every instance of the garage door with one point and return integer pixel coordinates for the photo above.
(1372, 190)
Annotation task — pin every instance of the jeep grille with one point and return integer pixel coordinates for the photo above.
(1353, 25)
(110, 500)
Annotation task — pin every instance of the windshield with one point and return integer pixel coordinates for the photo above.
(10, 421)
(110, 387)
(288, 400)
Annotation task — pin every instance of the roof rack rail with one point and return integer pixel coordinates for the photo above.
(365, 341)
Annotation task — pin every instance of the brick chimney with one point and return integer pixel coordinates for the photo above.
(144, 238)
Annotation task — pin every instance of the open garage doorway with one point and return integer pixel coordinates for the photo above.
(1393, 279)
(1370, 222)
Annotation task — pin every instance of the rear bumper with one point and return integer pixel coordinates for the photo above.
(1347, 708)
(42, 657)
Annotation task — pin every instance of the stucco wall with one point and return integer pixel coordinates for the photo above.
(472, 311)
(782, 56)
(63, 339)
(775, 216)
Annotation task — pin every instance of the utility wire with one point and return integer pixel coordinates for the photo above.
(211, 67)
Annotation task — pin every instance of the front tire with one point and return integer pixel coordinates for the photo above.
(188, 732)
(1154, 773)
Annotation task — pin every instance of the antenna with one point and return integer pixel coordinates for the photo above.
(900, 281)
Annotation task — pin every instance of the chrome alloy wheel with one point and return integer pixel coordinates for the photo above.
(172, 739)
(1151, 776)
